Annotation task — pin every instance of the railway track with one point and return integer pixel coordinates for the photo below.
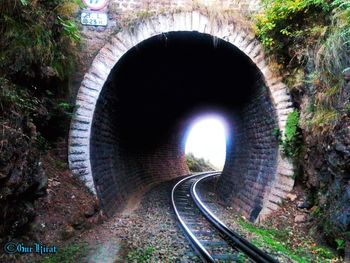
(208, 236)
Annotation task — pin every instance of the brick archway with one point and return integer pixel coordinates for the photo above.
(278, 185)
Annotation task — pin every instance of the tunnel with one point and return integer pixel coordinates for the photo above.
(148, 101)
(144, 89)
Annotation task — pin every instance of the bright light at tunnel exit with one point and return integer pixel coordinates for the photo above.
(207, 139)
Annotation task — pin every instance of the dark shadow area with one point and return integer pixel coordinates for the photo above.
(167, 76)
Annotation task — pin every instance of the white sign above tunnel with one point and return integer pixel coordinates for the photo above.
(94, 19)
(95, 4)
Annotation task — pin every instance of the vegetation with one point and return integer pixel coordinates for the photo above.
(278, 240)
(241, 258)
(308, 41)
(291, 140)
(38, 46)
(340, 244)
(315, 33)
(140, 255)
(286, 23)
(37, 38)
(198, 164)
(71, 253)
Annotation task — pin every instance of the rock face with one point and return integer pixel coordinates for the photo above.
(338, 160)
(326, 168)
(22, 178)
(300, 218)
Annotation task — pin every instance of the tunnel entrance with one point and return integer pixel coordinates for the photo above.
(135, 106)
(142, 111)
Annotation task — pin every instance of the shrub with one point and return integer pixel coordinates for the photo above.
(284, 23)
(198, 164)
(291, 140)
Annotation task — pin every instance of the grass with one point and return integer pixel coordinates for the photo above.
(333, 55)
(70, 253)
(241, 258)
(277, 240)
(140, 255)
(324, 116)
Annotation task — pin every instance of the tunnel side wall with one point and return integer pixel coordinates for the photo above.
(251, 161)
(119, 173)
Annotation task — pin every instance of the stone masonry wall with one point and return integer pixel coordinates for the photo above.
(252, 156)
(121, 12)
(161, 5)
(119, 172)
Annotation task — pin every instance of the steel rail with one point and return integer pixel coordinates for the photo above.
(199, 248)
(242, 244)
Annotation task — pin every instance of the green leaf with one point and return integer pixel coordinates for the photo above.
(24, 2)
(340, 244)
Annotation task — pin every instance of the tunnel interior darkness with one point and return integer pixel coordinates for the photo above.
(151, 96)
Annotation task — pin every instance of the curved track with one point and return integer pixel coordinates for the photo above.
(209, 237)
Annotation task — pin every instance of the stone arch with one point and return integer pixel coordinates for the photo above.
(230, 31)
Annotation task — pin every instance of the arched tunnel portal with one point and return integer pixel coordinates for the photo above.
(141, 93)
